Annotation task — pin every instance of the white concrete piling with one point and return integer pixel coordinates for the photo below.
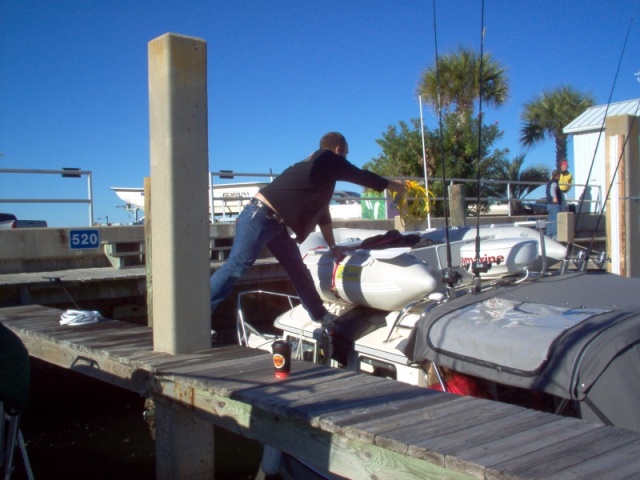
(180, 238)
(179, 172)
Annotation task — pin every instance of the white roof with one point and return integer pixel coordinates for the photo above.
(592, 118)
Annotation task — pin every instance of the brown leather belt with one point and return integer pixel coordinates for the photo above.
(271, 213)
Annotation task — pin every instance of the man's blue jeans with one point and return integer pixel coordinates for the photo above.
(254, 229)
(552, 219)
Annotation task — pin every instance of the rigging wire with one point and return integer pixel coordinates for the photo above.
(565, 262)
(478, 265)
(449, 276)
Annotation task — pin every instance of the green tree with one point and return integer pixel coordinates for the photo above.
(459, 143)
(460, 146)
(401, 152)
(548, 113)
(455, 84)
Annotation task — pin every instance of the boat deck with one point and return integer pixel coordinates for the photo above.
(353, 425)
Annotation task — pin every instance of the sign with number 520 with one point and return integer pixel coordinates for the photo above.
(84, 239)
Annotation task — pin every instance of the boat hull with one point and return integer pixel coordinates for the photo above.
(228, 199)
(362, 279)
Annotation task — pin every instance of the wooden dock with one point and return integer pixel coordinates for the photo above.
(119, 293)
(27, 283)
(352, 425)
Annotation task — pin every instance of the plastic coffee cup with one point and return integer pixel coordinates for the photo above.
(282, 358)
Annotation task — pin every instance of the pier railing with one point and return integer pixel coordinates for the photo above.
(510, 200)
(592, 203)
(64, 172)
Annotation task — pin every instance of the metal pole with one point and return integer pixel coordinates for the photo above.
(90, 186)
(424, 162)
(211, 210)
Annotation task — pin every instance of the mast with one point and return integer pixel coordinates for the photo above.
(449, 276)
(424, 160)
(479, 266)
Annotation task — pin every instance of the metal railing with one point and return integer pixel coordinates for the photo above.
(509, 199)
(225, 174)
(64, 172)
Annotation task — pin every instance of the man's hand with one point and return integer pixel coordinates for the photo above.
(397, 186)
(338, 252)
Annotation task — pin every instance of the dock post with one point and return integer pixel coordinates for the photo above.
(457, 205)
(180, 265)
(623, 207)
(148, 252)
(179, 186)
(181, 440)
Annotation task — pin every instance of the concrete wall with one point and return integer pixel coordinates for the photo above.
(47, 249)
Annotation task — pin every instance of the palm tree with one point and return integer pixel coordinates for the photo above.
(548, 113)
(512, 171)
(535, 173)
(456, 82)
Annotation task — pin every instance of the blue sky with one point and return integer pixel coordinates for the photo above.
(73, 79)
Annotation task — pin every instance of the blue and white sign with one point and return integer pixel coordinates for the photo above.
(84, 239)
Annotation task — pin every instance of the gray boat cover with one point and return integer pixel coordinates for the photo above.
(575, 336)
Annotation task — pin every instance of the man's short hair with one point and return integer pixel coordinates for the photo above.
(332, 140)
(555, 174)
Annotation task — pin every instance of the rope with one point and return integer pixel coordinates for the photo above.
(414, 206)
(79, 317)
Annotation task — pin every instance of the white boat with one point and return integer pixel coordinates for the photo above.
(508, 249)
(395, 278)
(384, 279)
(557, 343)
(228, 199)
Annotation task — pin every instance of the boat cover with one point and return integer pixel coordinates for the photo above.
(574, 336)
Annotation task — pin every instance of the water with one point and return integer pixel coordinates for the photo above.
(76, 427)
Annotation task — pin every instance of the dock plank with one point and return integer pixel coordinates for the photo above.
(620, 463)
(424, 431)
(422, 426)
(354, 395)
(516, 445)
(489, 430)
(230, 382)
(408, 419)
(307, 398)
(557, 457)
(219, 357)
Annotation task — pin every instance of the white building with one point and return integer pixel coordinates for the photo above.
(588, 133)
